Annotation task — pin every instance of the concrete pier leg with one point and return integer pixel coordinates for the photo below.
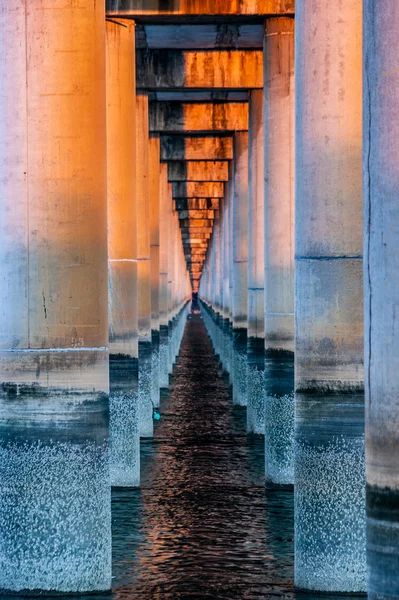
(256, 275)
(240, 266)
(165, 207)
(122, 255)
(154, 199)
(144, 266)
(55, 503)
(226, 279)
(381, 218)
(329, 455)
(279, 250)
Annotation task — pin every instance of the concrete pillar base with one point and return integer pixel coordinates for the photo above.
(124, 422)
(156, 395)
(163, 357)
(145, 390)
(255, 385)
(239, 366)
(330, 520)
(279, 418)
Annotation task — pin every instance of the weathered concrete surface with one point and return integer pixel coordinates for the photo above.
(328, 299)
(256, 275)
(205, 36)
(154, 198)
(173, 69)
(204, 95)
(165, 206)
(54, 326)
(189, 204)
(144, 265)
(161, 9)
(381, 218)
(178, 117)
(239, 277)
(209, 189)
(122, 255)
(196, 214)
(178, 148)
(198, 170)
(279, 251)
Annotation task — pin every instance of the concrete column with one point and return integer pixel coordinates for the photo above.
(256, 275)
(165, 207)
(171, 275)
(279, 250)
(240, 266)
(329, 454)
(144, 265)
(381, 218)
(122, 254)
(55, 503)
(154, 161)
(227, 249)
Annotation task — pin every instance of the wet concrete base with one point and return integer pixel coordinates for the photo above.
(239, 366)
(330, 518)
(145, 389)
(382, 542)
(55, 517)
(255, 386)
(155, 341)
(124, 422)
(279, 418)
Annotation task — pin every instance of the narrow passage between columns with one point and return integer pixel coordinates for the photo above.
(200, 527)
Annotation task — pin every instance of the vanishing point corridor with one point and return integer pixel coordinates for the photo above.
(202, 524)
(199, 299)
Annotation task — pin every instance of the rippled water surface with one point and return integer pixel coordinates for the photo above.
(202, 524)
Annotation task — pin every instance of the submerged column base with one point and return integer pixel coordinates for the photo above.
(55, 497)
(279, 418)
(255, 385)
(240, 366)
(124, 421)
(145, 390)
(330, 519)
(156, 393)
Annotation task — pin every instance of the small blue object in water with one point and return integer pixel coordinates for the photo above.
(157, 416)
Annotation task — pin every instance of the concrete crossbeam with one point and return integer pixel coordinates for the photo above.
(196, 204)
(196, 214)
(198, 171)
(192, 223)
(216, 69)
(196, 148)
(204, 36)
(161, 10)
(178, 117)
(192, 189)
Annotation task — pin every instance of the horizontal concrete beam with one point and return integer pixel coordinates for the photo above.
(196, 203)
(214, 69)
(198, 171)
(192, 236)
(159, 11)
(193, 223)
(196, 214)
(178, 147)
(191, 37)
(199, 96)
(178, 117)
(193, 189)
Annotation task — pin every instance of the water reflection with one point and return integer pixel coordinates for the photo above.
(202, 525)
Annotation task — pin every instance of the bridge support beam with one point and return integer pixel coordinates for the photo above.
(122, 256)
(381, 218)
(144, 266)
(256, 304)
(165, 207)
(329, 468)
(54, 465)
(279, 251)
